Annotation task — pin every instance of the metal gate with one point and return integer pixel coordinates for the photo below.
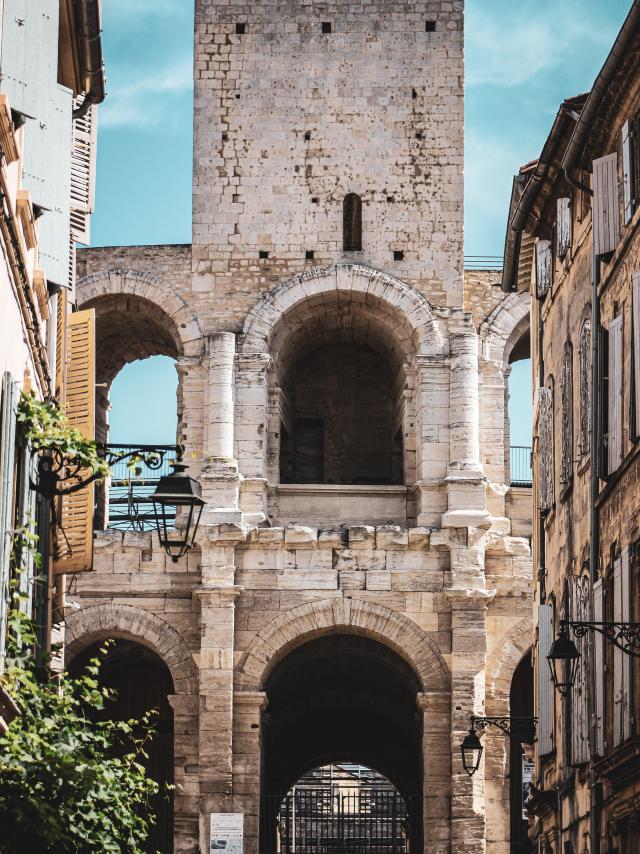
(329, 820)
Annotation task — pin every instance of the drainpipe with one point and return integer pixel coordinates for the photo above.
(88, 24)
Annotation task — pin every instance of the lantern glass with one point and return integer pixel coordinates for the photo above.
(471, 750)
(563, 661)
(177, 493)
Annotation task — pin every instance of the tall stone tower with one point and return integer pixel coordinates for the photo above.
(361, 583)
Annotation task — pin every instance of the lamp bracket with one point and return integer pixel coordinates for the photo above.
(626, 636)
(517, 728)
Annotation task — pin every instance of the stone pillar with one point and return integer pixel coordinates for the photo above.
(432, 445)
(186, 760)
(247, 719)
(436, 758)
(219, 478)
(217, 610)
(253, 417)
(468, 661)
(466, 488)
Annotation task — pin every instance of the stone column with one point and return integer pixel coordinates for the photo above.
(219, 478)
(466, 488)
(432, 445)
(252, 414)
(468, 661)
(217, 609)
(247, 719)
(186, 758)
(436, 758)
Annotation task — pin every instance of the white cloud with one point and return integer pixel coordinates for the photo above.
(145, 101)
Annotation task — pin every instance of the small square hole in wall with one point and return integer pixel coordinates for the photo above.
(263, 254)
(419, 135)
(391, 199)
(314, 200)
(309, 254)
(414, 94)
(429, 26)
(398, 255)
(326, 26)
(307, 135)
(235, 198)
(241, 28)
(237, 96)
(225, 137)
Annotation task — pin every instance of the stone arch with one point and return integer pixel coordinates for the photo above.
(501, 664)
(412, 311)
(504, 327)
(87, 625)
(332, 616)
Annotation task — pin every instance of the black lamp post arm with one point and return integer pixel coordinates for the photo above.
(626, 636)
(516, 728)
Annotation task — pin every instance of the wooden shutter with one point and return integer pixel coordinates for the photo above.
(543, 267)
(625, 611)
(635, 323)
(627, 173)
(563, 226)
(614, 452)
(599, 659)
(83, 170)
(545, 442)
(545, 683)
(605, 204)
(618, 655)
(580, 610)
(61, 345)
(74, 543)
(8, 405)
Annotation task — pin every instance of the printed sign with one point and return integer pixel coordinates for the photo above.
(227, 832)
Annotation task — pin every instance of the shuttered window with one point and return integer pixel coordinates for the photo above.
(83, 171)
(545, 447)
(621, 661)
(566, 394)
(544, 681)
(61, 345)
(599, 672)
(627, 172)
(614, 436)
(580, 610)
(73, 550)
(563, 226)
(585, 388)
(605, 204)
(635, 321)
(543, 267)
(8, 404)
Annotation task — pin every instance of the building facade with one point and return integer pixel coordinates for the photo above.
(362, 579)
(51, 79)
(573, 242)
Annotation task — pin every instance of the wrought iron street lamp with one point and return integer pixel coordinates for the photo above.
(177, 492)
(520, 729)
(564, 654)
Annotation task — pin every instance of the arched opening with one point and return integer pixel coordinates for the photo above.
(520, 756)
(141, 682)
(138, 402)
(352, 223)
(343, 700)
(341, 403)
(520, 409)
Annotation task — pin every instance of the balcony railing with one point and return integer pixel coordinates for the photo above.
(520, 465)
(135, 473)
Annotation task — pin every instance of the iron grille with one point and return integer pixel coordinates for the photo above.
(520, 465)
(135, 473)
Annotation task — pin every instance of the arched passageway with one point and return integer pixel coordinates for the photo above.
(341, 699)
(520, 756)
(141, 682)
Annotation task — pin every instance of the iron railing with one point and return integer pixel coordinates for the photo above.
(520, 465)
(135, 473)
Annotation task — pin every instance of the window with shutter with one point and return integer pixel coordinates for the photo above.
(73, 545)
(61, 345)
(563, 226)
(605, 204)
(625, 610)
(545, 443)
(8, 404)
(580, 609)
(627, 172)
(566, 394)
(585, 388)
(614, 434)
(83, 171)
(618, 670)
(544, 683)
(635, 325)
(599, 668)
(543, 267)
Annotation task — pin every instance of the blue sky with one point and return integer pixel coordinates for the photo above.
(522, 59)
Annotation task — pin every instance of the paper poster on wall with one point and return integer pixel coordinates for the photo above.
(227, 832)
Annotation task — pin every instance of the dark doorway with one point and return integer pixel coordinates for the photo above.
(521, 705)
(142, 682)
(349, 701)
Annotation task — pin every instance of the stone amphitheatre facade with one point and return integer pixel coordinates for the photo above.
(362, 579)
